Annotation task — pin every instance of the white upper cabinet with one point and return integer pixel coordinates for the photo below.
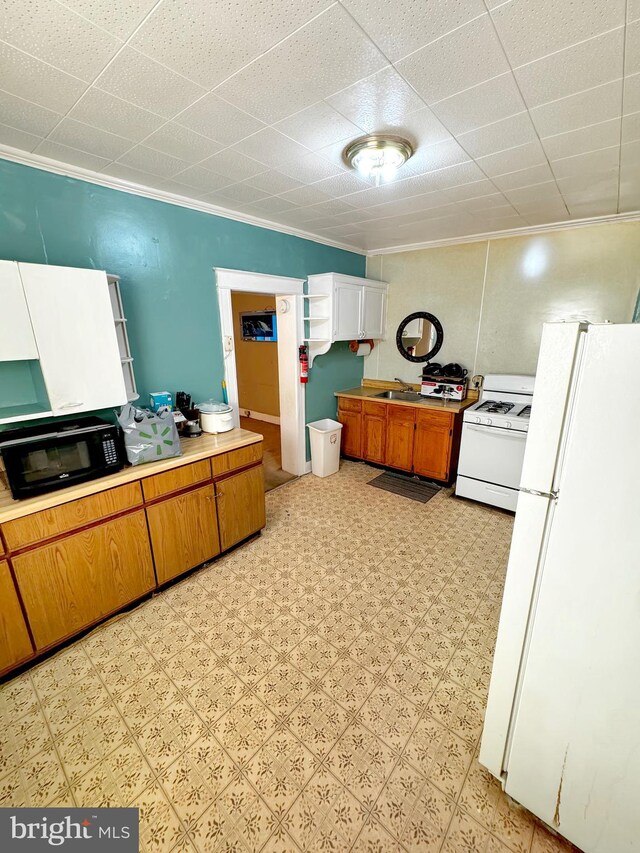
(347, 312)
(72, 320)
(374, 312)
(17, 341)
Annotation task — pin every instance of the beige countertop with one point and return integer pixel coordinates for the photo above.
(193, 449)
(367, 392)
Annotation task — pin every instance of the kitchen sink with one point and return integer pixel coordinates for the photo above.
(407, 396)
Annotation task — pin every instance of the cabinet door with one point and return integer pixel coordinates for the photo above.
(184, 532)
(400, 432)
(17, 341)
(373, 312)
(71, 315)
(74, 582)
(374, 438)
(351, 442)
(347, 312)
(241, 509)
(15, 645)
(432, 446)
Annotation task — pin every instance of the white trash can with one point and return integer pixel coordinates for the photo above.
(324, 437)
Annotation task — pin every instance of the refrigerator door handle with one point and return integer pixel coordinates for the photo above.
(552, 495)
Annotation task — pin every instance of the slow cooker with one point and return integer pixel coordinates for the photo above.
(215, 417)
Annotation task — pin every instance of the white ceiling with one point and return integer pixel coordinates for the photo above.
(525, 112)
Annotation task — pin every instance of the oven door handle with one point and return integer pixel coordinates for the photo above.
(497, 431)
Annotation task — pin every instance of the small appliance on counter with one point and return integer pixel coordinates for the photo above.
(447, 383)
(160, 400)
(215, 417)
(43, 458)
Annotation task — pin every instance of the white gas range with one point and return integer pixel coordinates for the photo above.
(494, 433)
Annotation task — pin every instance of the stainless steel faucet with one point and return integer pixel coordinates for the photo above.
(405, 386)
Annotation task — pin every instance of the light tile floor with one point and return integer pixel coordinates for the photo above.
(321, 688)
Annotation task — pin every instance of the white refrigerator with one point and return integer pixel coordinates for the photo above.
(562, 728)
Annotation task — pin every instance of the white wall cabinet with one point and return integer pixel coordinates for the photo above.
(344, 308)
(17, 341)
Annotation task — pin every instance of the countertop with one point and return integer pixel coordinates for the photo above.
(367, 392)
(193, 449)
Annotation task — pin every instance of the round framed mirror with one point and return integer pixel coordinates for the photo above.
(419, 337)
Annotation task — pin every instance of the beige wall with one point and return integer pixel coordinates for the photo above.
(256, 361)
(492, 297)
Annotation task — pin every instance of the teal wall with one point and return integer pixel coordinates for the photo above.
(164, 255)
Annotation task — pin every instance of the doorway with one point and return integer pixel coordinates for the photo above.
(284, 433)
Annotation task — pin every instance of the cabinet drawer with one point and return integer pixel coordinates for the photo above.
(236, 459)
(401, 414)
(433, 416)
(345, 404)
(378, 410)
(176, 479)
(15, 645)
(70, 516)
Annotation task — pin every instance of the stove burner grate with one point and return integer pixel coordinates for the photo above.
(495, 407)
(525, 413)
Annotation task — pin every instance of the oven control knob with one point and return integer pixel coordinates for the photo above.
(488, 421)
(478, 420)
(508, 424)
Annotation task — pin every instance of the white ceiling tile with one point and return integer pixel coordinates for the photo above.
(438, 156)
(455, 62)
(633, 10)
(602, 135)
(100, 109)
(270, 147)
(273, 204)
(181, 142)
(147, 84)
(590, 107)
(591, 184)
(310, 168)
(408, 25)
(552, 210)
(306, 195)
(547, 217)
(121, 19)
(496, 201)
(333, 206)
(453, 176)
(90, 139)
(632, 94)
(536, 193)
(18, 138)
(475, 189)
(529, 29)
(481, 105)
(208, 41)
(342, 184)
(630, 156)
(132, 176)
(632, 49)
(508, 133)
(233, 165)
(524, 178)
(297, 72)
(580, 67)
(631, 128)
(318, 126)
(513, 160)
(582, 164)
(25, 116)
(273, 182)
(64, 154)
(602, 207)
(242, 193)
(378, 102)
(54, 34)
(149, 160)
(215, 118)
(28, 78)
(200, 178)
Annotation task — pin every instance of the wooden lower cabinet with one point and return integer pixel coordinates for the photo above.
(432, 446)
(15, 644)
(75, 581)
(184, 532)
(241, 508)
(374, 431)
(401, 421)
(351, 439)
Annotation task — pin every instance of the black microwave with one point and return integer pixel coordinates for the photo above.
(42, 458)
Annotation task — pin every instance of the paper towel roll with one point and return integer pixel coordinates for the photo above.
(364, 349)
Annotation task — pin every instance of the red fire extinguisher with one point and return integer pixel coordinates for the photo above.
(304, 364)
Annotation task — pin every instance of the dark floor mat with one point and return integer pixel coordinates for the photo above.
(408, 487)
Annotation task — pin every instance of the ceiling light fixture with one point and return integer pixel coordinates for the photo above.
(378, 156)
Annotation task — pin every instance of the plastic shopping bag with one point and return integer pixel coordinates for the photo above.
(149, 436)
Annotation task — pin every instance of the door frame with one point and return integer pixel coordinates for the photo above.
(289, 306)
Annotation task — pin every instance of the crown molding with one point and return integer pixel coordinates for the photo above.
(36, 161)
(511, 232)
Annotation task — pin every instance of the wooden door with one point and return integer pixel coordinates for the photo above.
(74, 582)
(432, 445)
(241, 510)
(15, 645)
(374, 302)
(17, 341)
(184, 532)
(351, 441)
(71, 315)
(374, 429)
(347, 312)
(400, 433)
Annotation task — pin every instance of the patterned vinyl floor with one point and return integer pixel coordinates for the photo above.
(321, 688)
